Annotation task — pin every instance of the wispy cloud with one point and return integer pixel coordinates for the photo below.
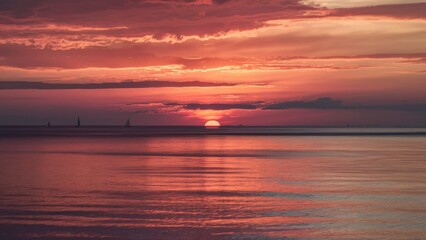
(322, 103)
(219, 106)
(403, 11)
(326, 103)
(140, 84)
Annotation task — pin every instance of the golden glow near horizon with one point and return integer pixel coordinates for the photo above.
(224, 60)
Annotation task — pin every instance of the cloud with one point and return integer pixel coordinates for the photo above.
(63, 25)
(153, 17)
(403, 11)
(153, 108)
(141, 84)
(322, 103)
(195, 34)
(219, 106)
(374, 56)
(151, 55)
(326, 103)
(161, 18)
(221, 1)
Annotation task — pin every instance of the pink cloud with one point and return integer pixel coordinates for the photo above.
(403, 11)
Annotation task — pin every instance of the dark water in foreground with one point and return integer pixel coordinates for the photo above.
(213, 187)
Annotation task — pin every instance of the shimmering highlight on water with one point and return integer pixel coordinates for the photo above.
(213, 187)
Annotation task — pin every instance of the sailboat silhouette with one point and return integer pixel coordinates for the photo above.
(78, 122)
(127, 123)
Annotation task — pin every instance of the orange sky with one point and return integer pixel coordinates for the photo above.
(276, 62)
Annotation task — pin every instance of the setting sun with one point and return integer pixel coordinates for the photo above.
(212, 124)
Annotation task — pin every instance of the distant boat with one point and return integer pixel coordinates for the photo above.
(127, 123)
(78, 122)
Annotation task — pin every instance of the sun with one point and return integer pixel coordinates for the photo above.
(212, 124)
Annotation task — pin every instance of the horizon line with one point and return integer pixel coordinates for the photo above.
(234, 125)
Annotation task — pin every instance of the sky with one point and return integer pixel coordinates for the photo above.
(184, 62)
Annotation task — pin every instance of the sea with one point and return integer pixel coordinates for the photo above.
(225, 183)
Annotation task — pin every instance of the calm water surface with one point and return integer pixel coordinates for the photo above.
(213, 187)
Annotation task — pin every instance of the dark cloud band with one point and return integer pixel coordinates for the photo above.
(323, 103)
